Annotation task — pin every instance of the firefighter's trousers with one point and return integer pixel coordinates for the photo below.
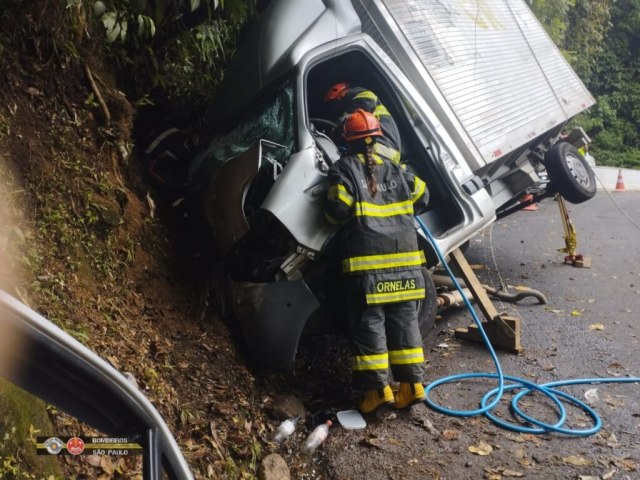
(385, 337)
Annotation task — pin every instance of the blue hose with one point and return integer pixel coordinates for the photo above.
(492, 398)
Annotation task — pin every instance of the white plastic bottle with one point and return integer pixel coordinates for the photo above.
(316, 437)
(285, 429)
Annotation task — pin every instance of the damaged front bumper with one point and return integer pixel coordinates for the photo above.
(272, 317)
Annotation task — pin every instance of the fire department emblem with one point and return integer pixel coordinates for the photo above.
(75, 446)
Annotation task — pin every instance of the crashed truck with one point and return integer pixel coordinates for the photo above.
(482, 98)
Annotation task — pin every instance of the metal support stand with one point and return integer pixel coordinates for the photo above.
(503, 330)
(570, 238)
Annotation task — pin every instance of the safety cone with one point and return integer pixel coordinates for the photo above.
(529, 208)
(620, 182)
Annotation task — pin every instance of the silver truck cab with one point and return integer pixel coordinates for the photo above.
(478, 132)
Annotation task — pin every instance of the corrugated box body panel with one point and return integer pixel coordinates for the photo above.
(492, 61)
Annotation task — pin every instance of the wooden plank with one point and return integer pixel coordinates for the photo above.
(496, 336)
(479, 293)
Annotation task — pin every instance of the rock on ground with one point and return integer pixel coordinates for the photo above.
(273, 467)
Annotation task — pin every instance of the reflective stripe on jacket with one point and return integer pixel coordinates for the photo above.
(378, 237)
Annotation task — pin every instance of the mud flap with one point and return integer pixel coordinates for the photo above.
(272, 317)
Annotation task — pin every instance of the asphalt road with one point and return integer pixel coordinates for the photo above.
(588, 329)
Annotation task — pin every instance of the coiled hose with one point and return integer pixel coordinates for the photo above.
(493, 397)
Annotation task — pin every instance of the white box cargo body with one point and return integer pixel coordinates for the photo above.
(491, 61)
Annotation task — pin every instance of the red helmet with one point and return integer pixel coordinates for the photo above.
(361, 124)
(337, 92)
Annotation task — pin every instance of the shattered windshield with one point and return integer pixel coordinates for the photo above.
(271, 119)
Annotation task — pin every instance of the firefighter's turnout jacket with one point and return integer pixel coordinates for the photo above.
(358, 97)
(382, 265)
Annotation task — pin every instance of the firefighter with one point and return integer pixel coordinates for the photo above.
(374, 199)
(341, 100)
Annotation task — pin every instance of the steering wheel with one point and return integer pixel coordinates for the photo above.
(324, 123)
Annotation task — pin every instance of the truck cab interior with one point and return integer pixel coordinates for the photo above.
(357, 69)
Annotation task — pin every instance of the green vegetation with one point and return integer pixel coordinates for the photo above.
(23, 418)
(78, 228)
(601, 39)
(170, 51)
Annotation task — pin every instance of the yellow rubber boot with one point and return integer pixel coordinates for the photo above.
(375, 398)
(408, 394)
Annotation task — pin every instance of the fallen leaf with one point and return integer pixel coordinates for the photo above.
(107, 465)
(512, 473)
(529, 437)
(522, 288)
(514, 438)
(609, 475)
(587, 477)
(596, 326)
(616, 369)
(612, 402)
(428, 426)
(371, 442)
(628, 464)
(547, 366)
(122, 465)
(494, 476)
(576, 313)
(451, 435)
(526, 462)
(93, 460)
(559, 312)
(34, 92)
(577, 461)
(114, 361)
(481, 449)
(477, 266)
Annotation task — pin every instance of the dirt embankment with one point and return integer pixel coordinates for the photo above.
(86, 252)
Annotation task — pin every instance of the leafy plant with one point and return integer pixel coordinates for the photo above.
(173, 51)
(601, 39)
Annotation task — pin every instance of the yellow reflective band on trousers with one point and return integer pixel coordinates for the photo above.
(393, 297)
(339, 192)
(378, 361)
(389, 260)
(418, 190)
(366, 209)
(406, 356)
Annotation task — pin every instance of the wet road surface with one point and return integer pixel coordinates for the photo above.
(588, 329)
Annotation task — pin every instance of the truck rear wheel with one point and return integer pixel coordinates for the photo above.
(427, 307)
(569, 173)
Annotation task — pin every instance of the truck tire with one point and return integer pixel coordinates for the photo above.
(427, 307)
(569, 173)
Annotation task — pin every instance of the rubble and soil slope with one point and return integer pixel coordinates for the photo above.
(87, 253)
